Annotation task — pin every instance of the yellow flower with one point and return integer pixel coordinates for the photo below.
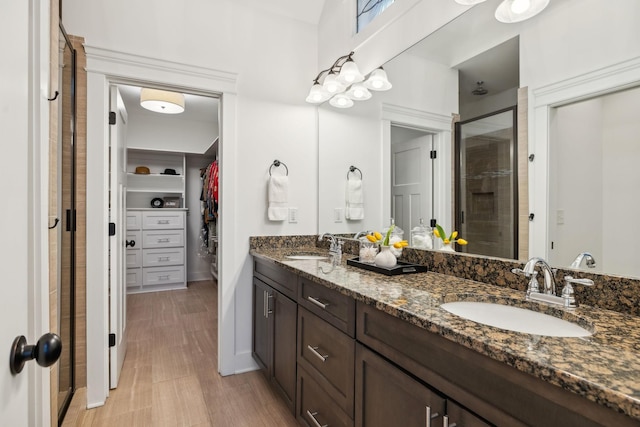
(371, 238)
(435, 232)
(377, 235)
(401, 244)
(462, 242)
(446, 241)
(454, 235)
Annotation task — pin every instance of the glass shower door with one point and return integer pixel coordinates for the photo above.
(486, 184)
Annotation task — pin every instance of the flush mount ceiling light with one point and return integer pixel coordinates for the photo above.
(511, 11)
(344, 83)
(162, 101)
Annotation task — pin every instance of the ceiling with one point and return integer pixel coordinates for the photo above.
(197, 108)
(308, 11)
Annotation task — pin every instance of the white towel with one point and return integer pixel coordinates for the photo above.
(355, 201)
(278, 195)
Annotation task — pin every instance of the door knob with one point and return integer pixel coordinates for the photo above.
(128, 243)
(46, 352)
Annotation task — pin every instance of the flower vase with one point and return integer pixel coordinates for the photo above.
(385, 258)
(447, 247)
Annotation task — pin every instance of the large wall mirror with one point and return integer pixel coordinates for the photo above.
(433, 86)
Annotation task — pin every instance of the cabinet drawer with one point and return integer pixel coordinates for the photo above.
(134, 277)
(162, 220)
(330, 305)
(162, 275)
(277, 277)
(134, 258)
(160, 257)
(328, 354)
(134, 220)
(315, 407)
(162, 239)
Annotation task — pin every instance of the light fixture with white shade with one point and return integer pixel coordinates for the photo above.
(162, 101)
(510, 11)
(378, 80)
(358, 92)
(344, 83)
(341, 101)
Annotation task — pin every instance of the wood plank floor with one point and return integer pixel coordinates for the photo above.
(170, 373)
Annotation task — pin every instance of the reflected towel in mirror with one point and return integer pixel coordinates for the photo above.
(278, 195)
(355, 201)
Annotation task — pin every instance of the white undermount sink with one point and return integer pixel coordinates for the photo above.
(515, 319)
(317, 257)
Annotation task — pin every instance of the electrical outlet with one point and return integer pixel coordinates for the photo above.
(560, 216)
(337, 215)
(293, 215)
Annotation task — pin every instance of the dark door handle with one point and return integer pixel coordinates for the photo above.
(128, 243)
(46, 352)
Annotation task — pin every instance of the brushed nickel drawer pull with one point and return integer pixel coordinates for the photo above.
(312, 415)
(317, 302)
(164, 240)
(165, 277)
(445, 422)
(314, 350)
(431, 417)
(163, 258)
(163, 221)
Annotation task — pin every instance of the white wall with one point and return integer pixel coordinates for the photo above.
(273, 57)
(170, 133)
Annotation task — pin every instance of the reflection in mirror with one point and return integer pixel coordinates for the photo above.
(593, 206)
(568, 40)
(486, 184)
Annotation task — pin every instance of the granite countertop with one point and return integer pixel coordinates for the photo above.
(604, 367)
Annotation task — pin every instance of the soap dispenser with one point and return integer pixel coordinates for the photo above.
(422, 236)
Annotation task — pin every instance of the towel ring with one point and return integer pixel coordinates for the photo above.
(353, 169)
(277, 164)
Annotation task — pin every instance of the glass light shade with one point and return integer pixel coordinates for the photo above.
(358, 92)
(469, 2)
(317, 94)
(511, 11)
(332, 84)
(349, 73)
(378, 80)
(341, 101)
(162, 101)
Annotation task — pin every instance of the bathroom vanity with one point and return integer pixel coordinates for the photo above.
(355, 348)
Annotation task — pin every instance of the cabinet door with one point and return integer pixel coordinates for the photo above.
(386, 396)
(459, 416)
(284, 346)
(262, 326)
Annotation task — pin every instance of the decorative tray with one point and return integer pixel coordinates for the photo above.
(400, 268)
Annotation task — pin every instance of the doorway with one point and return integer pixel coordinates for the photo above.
(486, 179)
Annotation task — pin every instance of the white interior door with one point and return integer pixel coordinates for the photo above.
(117, 256)
(411, 183)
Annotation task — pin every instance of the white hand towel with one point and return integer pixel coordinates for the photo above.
(355, 201)
(278, 195)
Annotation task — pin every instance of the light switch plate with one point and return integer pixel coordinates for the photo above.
(560, 216)
(293, 215)
(337, 215)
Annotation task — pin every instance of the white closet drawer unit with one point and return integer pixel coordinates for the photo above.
(162, 220)
(160, 257)
(134, 258)
(163, 275)
(134, 220)
(162, 238)
(134, 277)
(134, 237)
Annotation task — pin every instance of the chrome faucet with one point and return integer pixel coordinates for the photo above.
(361, 233)
(549, 274)
(590, 260)
(335, 247)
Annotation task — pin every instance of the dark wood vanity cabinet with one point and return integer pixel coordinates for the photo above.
(274, 335)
